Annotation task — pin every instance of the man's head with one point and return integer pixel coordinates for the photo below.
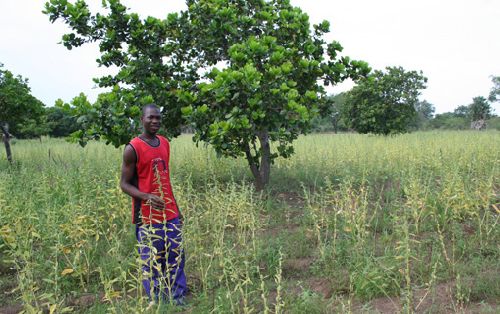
(151, 119)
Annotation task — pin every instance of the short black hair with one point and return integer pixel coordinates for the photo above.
(149, 106)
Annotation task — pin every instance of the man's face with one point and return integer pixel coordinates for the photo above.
(151, 120)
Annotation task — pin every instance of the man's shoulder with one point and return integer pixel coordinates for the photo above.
(134, 145)
(135, 139)
(163, 139)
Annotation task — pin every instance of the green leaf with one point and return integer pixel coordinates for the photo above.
(187, 111)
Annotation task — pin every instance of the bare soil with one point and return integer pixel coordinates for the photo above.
(11, 309)
(439, 300)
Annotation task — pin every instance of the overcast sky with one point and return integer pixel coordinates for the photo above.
(456, 43)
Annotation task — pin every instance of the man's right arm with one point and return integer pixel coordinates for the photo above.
(128, 171)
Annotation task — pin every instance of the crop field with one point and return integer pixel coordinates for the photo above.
(350, 223)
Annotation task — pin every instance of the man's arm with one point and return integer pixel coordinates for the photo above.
(128, 170)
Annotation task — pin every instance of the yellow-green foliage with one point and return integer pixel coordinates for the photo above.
(376, 216)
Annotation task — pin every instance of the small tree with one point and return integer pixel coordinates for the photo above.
(243, 73)
(17, 106)
(384, 103)
(462, 111)
(479, 111)
(59, 122)
(424, 113)
(330, 118)
(495, 90)
(336, 111)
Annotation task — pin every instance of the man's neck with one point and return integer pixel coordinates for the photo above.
(148, 136)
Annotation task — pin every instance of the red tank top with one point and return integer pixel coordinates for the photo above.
(153, 177)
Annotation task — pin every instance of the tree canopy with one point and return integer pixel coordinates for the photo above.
(384, 103)
(243, 73)
(17, 106)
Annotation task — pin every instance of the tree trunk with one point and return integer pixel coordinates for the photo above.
(335, 122)
(6, 141)
(478, 125)
(265, 161)
(254, 167)
(260, 169)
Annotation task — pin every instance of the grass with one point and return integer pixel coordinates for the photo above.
(349, 223)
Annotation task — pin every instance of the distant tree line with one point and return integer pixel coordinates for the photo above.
(367, 108)
(384, 104)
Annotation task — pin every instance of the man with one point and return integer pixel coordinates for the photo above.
(146, 178)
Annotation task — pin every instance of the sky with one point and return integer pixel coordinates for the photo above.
(455, 43)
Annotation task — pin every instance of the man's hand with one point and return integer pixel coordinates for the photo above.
(155, 201)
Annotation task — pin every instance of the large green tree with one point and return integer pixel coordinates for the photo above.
(18, 107)
(384, 103)
(243, 73)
